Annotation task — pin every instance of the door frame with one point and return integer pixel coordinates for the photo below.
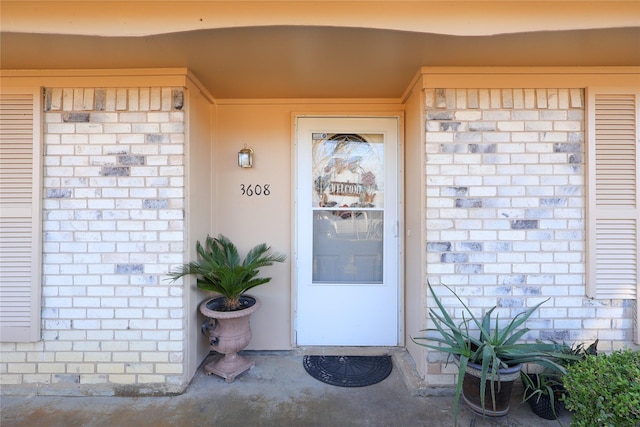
(399, 115)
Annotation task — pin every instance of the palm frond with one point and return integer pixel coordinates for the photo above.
(219, 268)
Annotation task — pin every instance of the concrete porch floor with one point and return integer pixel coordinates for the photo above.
(276, 392)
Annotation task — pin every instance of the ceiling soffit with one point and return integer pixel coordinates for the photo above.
(317, 62)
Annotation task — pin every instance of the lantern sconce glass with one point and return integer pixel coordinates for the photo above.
(245, 157)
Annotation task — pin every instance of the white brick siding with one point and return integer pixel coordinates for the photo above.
(506, 210)
(505, 197)
(113, 227)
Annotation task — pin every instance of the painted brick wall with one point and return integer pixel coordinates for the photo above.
(505, 213)
(113, 226)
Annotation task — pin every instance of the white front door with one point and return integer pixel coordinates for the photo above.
(347, 245)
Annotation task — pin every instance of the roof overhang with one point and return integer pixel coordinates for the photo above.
(315, 49)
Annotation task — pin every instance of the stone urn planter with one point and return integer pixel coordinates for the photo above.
(220, 269)
(229, 332)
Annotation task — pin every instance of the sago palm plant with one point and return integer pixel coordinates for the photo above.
(219, 269)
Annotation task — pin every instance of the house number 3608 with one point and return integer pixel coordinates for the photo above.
(255, 190)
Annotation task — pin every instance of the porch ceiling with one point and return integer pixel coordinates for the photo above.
(314, 61)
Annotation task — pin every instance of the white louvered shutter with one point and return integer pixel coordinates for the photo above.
(20, 242)
(614, 185)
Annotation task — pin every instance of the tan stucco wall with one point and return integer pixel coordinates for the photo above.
(200, 184)
(267, 128)
(414, 224)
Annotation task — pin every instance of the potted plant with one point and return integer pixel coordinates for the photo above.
(488, 354)
(545, 390)
(604, 390)
(220, 270)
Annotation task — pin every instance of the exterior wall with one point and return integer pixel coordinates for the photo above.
(252, 220)
(113, 225)
(502, 220)
(505, 213)
(414, 224)
(116, 192)
(200, 215)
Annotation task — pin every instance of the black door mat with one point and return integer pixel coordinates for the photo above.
(348, 371)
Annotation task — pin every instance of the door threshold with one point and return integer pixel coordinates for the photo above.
(347, 350)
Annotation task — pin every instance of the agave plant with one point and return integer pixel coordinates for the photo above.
(220, 270)
(485, 342)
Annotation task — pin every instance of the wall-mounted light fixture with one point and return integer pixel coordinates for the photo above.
(245, 157)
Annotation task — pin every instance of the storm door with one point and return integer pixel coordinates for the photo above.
(347, 245)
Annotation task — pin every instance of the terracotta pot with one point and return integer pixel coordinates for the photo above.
(502, 385)
(229, 332)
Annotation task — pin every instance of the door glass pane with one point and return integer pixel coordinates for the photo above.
(347, 246)
(348, 170)
(348, 201)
